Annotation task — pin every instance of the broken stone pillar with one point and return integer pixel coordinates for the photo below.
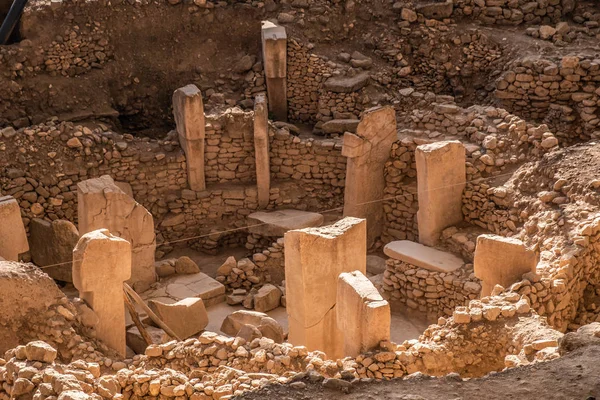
(102, 204)
(314, 258)
(261, 150)
(274, 45)
(13, 239)
(101, 263)
(501, 261)
(188, 110)
(185, 317)
(441, 179)
(362, 314)
(53, 243)
(367, 152)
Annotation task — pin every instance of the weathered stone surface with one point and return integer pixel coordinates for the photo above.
(267, 298)
(188, 110)
(101, 263)
(40, 351)
(345, 84)
(314, 258)
(501, 261)
(136, 342)
(101, 204)
(185, 265)
(179, 287)
(53, 243)
(362, 314)
(274, 50)
(368, 150)
(261, 150)
(340, 126)
(436, 10)
(185, 317)
(441, 179)
(13, 239)
(267, 326)
(277, 223)
(422, 256)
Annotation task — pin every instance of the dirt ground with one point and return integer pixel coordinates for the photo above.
(574, 376)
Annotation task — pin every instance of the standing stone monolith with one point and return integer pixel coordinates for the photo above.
(501, 261)
(53, 243)
(102, 204)
(314, 258)
(188, 110)
(13, 239)
(261, 150)
(362, 314)
(367, 152)
(274, 46)
(101, 263)
(441, 179)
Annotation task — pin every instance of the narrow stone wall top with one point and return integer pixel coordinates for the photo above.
(422, 256)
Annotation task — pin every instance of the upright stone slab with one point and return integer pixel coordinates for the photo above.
(501, 261)
(274, 46)
(188, 110)
(102, 204)
(261, 150)
(53, 243)
(367, 152)
(314, 258)
(362, 314)
(441, 179)
(101, 263)
(13, 239)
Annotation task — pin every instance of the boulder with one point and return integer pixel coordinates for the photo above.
(185, 265)
(40, 351)
(340, 126)
(53, 243)
(227, 266)
(185, 317)
(268, 298)
(267, 326)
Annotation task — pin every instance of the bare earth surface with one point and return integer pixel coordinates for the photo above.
(574, 376)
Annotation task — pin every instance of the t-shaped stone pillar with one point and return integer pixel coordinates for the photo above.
(314, 258)
(367, 152)
(274, 45)
(362, 314)
(441, 179)
(501, 261)
(188, 110)
(261, 150)
(101, 263)
(13, 239)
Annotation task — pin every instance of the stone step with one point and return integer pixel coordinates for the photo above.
(423, 256)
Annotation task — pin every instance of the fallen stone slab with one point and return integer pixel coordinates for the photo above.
(185, 317)
(347, 84)
(52, 243)
(340, 126)
(268, 298)
(179, 287)
(277, 223)
(136, 342)
(422, 256)
(268, 327)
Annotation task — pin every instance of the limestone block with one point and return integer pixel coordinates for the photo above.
(441, 179)
(368, 150)
(261, 150)
(274, 50)
(267, 298)
(179, 287)
(362, 314)
(422, 256)
(13, 239)
(501, 261)
(185, 317)
(53, 243)
(40, 351)
(267, 326)
(102, 204)
(314, 258)
(136, 342)
(188, 110)
(101, 263)
(277, 223)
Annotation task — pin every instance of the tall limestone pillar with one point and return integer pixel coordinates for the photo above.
(314, 259)
(274, 46)
(367, 152)
(188, 110)
(101, 263)
(441, 179)
(261, 150)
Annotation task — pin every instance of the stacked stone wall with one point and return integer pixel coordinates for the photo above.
(502, 12)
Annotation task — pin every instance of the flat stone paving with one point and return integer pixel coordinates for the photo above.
(423, 256)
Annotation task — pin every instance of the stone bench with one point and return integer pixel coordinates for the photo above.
(422, 256)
